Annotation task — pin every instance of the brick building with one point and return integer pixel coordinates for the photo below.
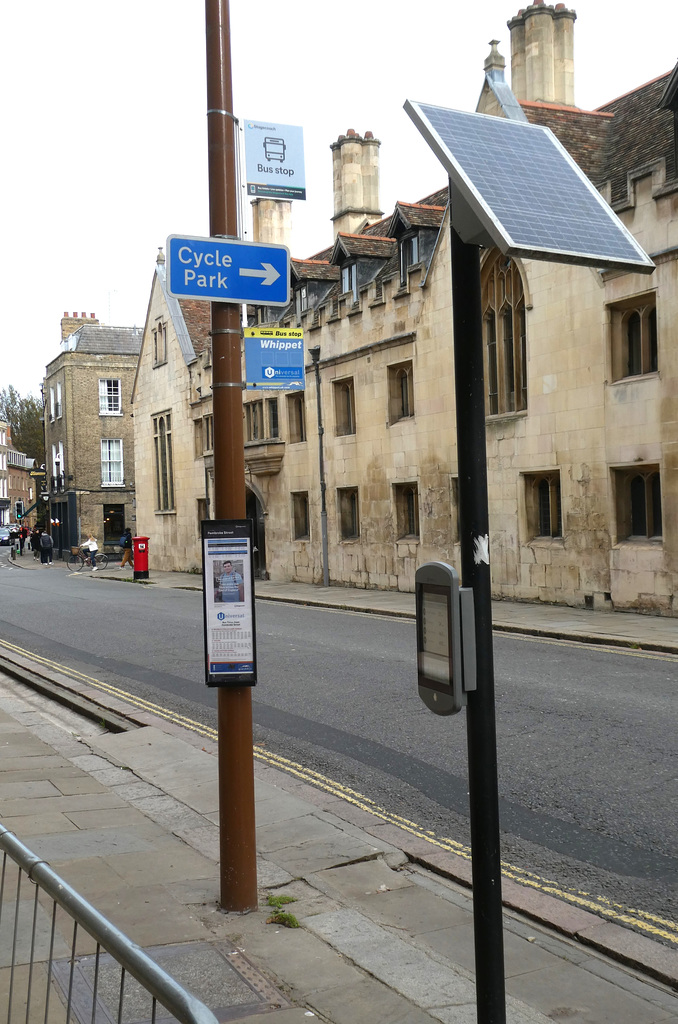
(21, 487)
(89, 433)
(4, 481)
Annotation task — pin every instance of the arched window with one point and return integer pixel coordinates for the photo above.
(639, 502)
(400, 392)
(646, 505)
(633, 336)
(407, 510)
(505, 336)
(543, 507)
(164, 471)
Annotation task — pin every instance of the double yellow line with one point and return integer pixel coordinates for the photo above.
(649, 924)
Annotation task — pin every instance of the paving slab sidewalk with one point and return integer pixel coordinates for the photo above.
(380, 938)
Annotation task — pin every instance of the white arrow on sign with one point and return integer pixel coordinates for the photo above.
(268, 275)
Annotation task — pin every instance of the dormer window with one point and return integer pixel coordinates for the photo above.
(349, 280)
(409, 255)
(301, 299)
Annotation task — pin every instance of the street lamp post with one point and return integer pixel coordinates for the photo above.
(315, 356)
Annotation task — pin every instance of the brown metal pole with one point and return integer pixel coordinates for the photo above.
(237, 838)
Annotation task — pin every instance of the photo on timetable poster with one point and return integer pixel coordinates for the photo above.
(229, 581)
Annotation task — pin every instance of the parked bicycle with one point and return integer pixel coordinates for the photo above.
(80, 557)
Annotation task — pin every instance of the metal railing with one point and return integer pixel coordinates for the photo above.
(48, 969)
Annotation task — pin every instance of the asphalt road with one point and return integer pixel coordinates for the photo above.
(586, 736)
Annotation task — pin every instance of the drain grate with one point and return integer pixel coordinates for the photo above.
(220, 976)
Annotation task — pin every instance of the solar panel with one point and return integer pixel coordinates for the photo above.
(515, 186)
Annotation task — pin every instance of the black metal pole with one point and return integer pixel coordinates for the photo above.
(315, 357)
(475, 567)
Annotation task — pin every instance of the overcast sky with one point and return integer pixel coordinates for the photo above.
(105, 138)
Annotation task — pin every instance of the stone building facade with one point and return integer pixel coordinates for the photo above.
(172, 403)
(89, 433)
(581, 371)
(581, 375)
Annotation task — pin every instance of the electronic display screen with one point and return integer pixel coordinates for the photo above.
(434, 653)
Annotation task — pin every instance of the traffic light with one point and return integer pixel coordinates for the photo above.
(19, 510)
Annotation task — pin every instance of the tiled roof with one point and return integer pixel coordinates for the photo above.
(420, 215)
(378, 228)
(630, 132)
(197, 317)
(365, 245)
(120, 341)
(320, 257)
(315, 270)
(439, 198)
(641, 133)
(390, 268)
(670, 95)
(582, 132)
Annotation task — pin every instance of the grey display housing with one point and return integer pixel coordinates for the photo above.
(439, 667)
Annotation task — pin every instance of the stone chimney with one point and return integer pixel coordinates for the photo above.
(71, 322)
(355, 169)
(542, 54)
(272, 221)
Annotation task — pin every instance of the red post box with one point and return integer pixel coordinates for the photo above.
(140, 545)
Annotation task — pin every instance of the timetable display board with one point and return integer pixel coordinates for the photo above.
(228, 602)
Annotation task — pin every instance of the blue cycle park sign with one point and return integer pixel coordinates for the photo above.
(228, 270)
(274, 359)
(274, 160)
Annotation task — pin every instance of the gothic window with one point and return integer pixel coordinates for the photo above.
(344, 407)
(400, 392)
(407, 510)
(639, 502)
(634, 337)
(542, 504)
(505, 338)
(164, 471)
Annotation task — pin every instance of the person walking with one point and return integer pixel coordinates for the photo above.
(92, 545)
(126, 543)
(231, 588)
(35, 543)
(23, 533)
(46, 546)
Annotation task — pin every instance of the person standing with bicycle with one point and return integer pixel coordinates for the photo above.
(91, 545)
